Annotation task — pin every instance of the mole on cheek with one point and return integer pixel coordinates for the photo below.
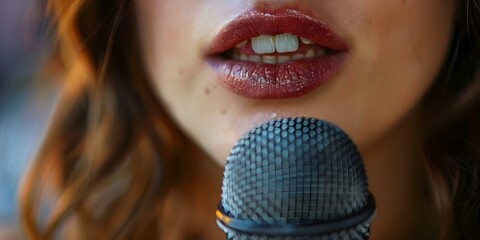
(180, 72)
(207, 91)
(369, 21)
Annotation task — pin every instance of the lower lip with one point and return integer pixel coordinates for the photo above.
(276, 81)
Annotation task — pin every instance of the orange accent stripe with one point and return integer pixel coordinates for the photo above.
(222, 217)
(219, 215)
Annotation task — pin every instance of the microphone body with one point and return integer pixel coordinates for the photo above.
(295, 178)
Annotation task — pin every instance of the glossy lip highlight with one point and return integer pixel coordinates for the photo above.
(275, 81)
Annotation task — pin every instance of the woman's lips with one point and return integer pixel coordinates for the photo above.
(282, 80)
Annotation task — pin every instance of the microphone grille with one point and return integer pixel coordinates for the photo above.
(296, 171)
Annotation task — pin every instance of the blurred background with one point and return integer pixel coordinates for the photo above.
(28, 90)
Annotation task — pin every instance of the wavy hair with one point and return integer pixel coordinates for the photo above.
(452, 146)
(111, 154)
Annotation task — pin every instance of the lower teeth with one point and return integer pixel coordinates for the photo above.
(271, 59)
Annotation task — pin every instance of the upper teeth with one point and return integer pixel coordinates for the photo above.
(281, 43)
(243, 43)
(286, 43)
(263, 44)
(306, 41)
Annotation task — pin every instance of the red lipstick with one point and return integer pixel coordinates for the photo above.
(281, 80)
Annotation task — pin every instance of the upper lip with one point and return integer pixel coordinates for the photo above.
(255, 23)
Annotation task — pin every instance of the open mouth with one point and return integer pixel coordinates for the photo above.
(276, 49)
(272, 56)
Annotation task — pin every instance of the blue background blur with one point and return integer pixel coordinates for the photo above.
(26, 96)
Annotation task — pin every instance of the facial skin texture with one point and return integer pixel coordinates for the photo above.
(396, 48)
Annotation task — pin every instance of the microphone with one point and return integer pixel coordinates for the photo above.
(295, 178)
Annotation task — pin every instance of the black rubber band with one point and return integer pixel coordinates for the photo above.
(250, 227)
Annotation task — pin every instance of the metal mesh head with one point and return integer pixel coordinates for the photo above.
(294, 171)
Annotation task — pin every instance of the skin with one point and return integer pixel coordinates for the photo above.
(396, 49)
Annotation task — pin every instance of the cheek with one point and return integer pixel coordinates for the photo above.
(166, 38)
(397, 50)
(409, 31)
(173, 36)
